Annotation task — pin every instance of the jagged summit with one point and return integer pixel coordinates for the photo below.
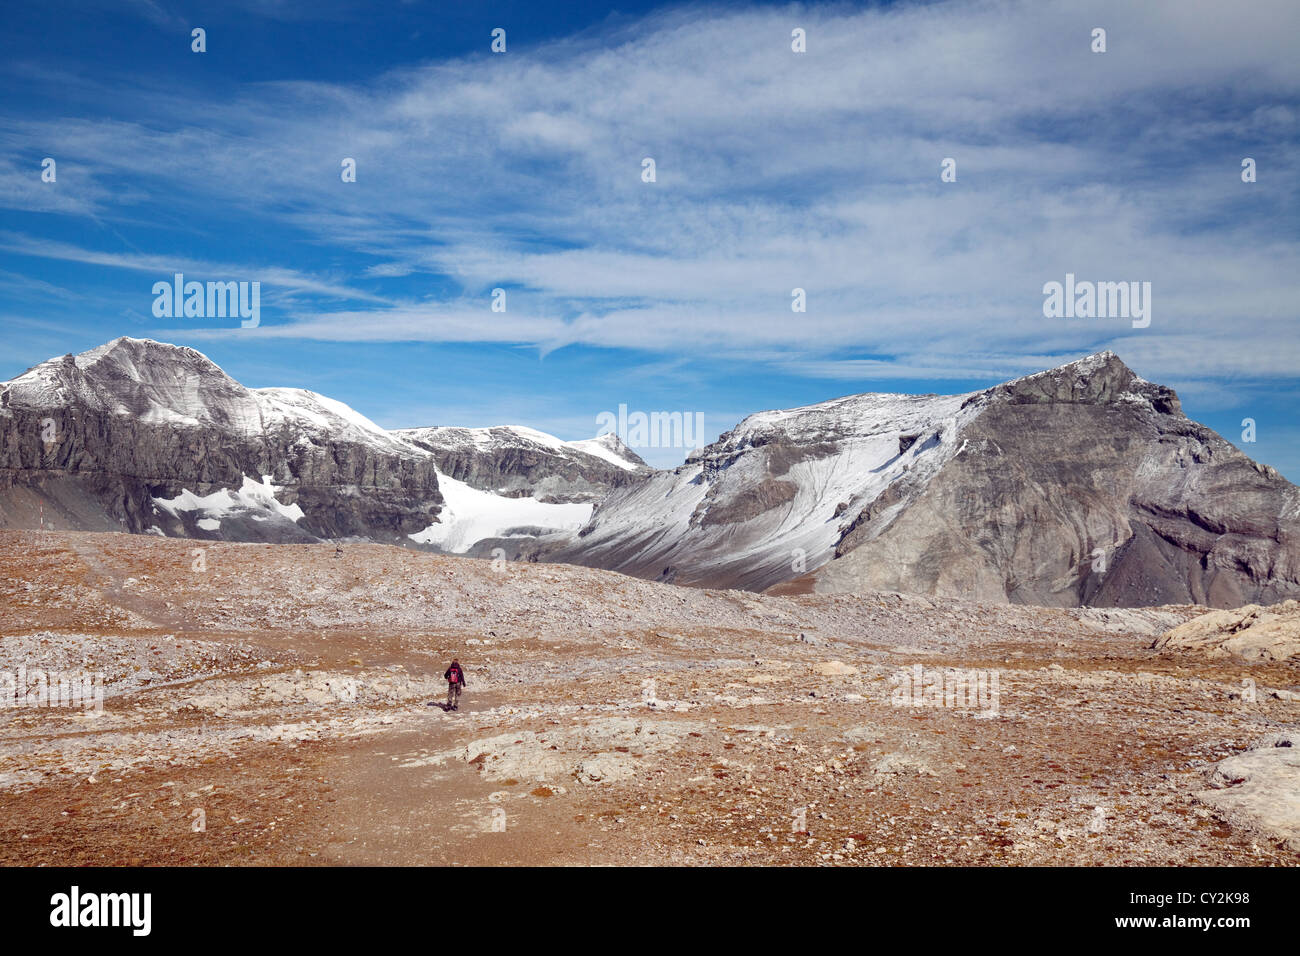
(1099, 378)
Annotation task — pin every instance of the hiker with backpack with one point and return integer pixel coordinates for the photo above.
(455, 684)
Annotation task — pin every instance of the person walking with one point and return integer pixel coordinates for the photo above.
(455, 684)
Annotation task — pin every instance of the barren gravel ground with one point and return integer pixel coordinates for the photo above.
(280, 697)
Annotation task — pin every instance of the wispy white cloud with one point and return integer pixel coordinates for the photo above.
(775, 171)
(163, 267)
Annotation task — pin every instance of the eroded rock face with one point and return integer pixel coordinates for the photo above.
(771, 498)
(141, 436)
(520, 462)
(96, 439)
(1084, 485)
(1252, 632)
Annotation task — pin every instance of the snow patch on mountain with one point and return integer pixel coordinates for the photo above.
(252, 497)
(470, 515)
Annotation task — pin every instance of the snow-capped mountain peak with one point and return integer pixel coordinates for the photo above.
(609, 447)
(212, 448)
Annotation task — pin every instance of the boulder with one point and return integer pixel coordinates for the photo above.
(1252, 633)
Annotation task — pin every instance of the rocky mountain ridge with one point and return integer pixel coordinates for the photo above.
(1080, 485)
(146, 437)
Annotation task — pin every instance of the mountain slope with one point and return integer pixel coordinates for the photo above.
(1086, 485)
(507, 486)
(515, 461)
(1081, 485)
(148, 437)
(770, 497)
(143, 434)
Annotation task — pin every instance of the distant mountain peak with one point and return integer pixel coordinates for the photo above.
(1099, 378)
(610, 442)
(124, 349)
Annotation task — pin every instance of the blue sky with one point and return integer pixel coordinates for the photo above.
(775, 170)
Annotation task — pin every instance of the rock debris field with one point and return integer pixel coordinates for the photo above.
(279, 704)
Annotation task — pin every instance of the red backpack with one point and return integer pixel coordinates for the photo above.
(455, 674)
